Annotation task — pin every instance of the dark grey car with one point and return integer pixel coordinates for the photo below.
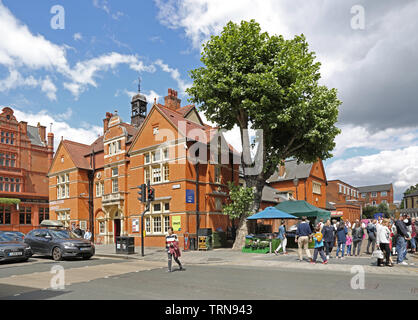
(12, 250)
(59, 244)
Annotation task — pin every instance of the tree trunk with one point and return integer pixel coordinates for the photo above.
(241, 233)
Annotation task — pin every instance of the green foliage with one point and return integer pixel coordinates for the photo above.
(253, 79)
(241, 199)
(411, 189)
(9, 201)
(369, 211)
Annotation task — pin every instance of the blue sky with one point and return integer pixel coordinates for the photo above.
(72, 77)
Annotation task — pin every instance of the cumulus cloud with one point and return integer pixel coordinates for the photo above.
(175, 75)
(370, 67)
(86, 134)
(399, 167)
(16, 38)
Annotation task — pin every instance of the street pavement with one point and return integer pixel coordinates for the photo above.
(215, 275)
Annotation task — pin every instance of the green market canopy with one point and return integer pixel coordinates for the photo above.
(301, 208)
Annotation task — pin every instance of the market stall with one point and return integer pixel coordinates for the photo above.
(301, 208)
(266, 242)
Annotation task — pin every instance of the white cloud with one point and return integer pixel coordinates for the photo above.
(86, 134)
(77, 36)
(388, 139)
(16, 38)
(175, 75)
(15, 80)
(399, 167)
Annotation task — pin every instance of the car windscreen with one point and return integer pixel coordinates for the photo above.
(63, 234)
(5, 238)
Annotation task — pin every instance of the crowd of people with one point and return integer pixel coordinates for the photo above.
(385, 239)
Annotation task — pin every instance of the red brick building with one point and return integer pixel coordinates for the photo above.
(345, 199)
(376, 194)
(153, 147)
(305, 181)
(26, 153)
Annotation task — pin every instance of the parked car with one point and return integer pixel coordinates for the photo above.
(14, 235)
(11, 250)
(59, 243)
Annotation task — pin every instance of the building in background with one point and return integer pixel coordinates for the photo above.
(345, 199)
(376, 194)
(101, 180)
(26, 152)
(304, 181)
(410, 206)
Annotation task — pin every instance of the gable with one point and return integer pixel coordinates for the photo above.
(58, 164)
(194, 116)
(146, 137)
(318, 171)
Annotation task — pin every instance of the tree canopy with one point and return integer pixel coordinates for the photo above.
(254, 80)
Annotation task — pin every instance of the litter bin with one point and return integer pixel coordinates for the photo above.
(125, 245)
(193, 245)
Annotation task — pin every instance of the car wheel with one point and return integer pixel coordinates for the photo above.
(57, 254)
(86, 257)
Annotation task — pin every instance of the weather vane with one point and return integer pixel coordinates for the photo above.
(139, 84)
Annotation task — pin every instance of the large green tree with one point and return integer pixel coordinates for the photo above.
(259, 81)
(239, 207)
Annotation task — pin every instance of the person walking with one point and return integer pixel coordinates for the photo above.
(383, 242)
(413, 236)
(319, 246)
(341, 239)
(358, 234)
(349, 241)
(87, 235)
(402, 236)
(329, 239)
(78, 231)
(283, 239)
(173, 249)
(303, 234)
(371, 233)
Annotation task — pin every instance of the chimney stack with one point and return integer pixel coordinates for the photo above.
(50, 148)
(106, 121)
(171, 100)
(42, 132)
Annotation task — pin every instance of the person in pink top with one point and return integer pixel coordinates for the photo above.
(349, 241)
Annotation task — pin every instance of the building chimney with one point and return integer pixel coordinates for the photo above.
(171, 100)
(282, 170)
(106, 121)
(42, 132)
(50, 148)
(24, 127)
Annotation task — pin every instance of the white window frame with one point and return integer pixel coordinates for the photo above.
(374, 194)
(384, 194)
(115, 185)
(316, 187)
(63, 186)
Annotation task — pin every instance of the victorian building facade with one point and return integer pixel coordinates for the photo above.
(26, 152)
(97, 185)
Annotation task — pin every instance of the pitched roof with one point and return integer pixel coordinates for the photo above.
(292, 171)
(270, 194)
(375, 188)
(34, 137)
(77, 151)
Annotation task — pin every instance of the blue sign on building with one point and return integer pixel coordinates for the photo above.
(189, 196)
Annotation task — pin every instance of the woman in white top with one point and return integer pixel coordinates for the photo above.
(383, 239)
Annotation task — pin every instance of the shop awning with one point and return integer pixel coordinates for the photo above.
(271, 213)
(301, 208)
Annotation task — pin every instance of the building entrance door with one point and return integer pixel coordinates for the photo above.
(116, 228)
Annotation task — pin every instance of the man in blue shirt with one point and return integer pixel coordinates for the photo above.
(303, 234)
(283, 239)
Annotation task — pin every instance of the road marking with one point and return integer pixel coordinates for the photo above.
(41, 280)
